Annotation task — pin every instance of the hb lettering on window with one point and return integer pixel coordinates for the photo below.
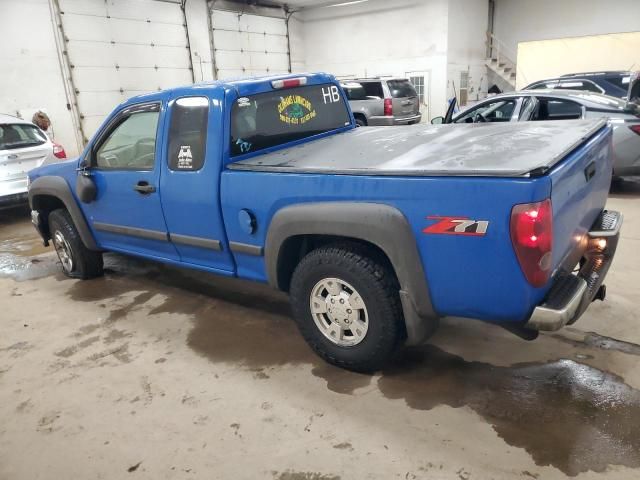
(330, 94)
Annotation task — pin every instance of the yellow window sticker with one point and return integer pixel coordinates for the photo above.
(295, 110)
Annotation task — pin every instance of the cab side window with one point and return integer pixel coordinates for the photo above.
(188, 133)
(557, 109)
(131, 145)
(495, 111)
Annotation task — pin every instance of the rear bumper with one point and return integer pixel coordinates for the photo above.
(388, 121)
(570, 295)
(14, 199)
(16, 188)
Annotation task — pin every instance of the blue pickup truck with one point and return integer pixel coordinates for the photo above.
(375, 233)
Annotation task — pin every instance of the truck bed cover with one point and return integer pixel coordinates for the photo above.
(512, 149)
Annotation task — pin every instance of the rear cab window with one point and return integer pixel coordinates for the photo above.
(270, 119)
(188, 133)
(401, 89)
(20, 135)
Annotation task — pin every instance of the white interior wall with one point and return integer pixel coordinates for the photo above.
(377, 38)
(466, 51)
(31, 78)
(524, 20)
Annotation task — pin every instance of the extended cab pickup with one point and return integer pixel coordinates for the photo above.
(375, 233)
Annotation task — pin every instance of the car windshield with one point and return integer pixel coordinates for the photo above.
(269, 119)
(20, 135)
(401, 89)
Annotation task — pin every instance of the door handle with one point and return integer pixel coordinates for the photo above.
(144, 188)
(590, 171)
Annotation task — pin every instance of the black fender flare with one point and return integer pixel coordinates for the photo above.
(382, 225)
(54, 186)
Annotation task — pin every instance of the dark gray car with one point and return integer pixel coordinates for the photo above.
(388, 101)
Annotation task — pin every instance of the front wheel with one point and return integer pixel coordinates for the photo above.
(76, 259)
(347, 307)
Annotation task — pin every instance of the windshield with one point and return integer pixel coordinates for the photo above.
(273, 118)
(401, 89)
(20, 135)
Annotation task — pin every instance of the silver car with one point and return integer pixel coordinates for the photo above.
(382, 101)
(23, 146)
(535, 105)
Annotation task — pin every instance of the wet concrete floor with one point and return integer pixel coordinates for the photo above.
(160, 372)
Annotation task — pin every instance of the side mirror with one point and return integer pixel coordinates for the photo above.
(85, 186)
(437, 120)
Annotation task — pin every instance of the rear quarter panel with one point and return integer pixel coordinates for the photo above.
(468, 276)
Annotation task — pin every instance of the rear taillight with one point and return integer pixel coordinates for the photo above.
(58, 151)
(532, 238)
(635, 129)
(388, 107)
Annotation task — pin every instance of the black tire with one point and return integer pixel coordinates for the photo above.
(85, 263)
(361, 122)
(377, 286)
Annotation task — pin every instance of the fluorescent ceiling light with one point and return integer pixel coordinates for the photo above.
(344, 4)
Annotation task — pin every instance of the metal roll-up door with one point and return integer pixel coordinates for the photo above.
(246, 45)
(119, 48)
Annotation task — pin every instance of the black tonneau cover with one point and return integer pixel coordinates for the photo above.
(486, 149)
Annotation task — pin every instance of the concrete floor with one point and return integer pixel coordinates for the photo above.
(154, 372)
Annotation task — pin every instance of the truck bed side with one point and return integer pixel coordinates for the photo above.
(476, 276)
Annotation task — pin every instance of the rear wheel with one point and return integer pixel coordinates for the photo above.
(347, 307)
(360, 122)
(76, 259)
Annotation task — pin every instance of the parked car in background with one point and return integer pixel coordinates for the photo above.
(388, 101)
(536, 105)
(615, 84)
(23, 146)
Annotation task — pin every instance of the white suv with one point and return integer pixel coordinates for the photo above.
(23, 146)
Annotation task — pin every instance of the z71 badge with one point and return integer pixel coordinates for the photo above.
(456, 226)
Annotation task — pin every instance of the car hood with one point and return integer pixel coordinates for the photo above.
(489, 149)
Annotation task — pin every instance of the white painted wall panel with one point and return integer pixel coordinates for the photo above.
(551, 58)
(31, 77)
(525, 20)
(377, 37)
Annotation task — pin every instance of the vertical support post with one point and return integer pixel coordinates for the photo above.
(183, 7)
(67, 76)
(286, 21)
(214, 69)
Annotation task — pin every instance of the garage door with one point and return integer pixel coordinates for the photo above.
(120, 48)
(247, 45)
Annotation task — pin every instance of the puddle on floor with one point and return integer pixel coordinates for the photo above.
(21, 269)
(22, 253)
(565, 414)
